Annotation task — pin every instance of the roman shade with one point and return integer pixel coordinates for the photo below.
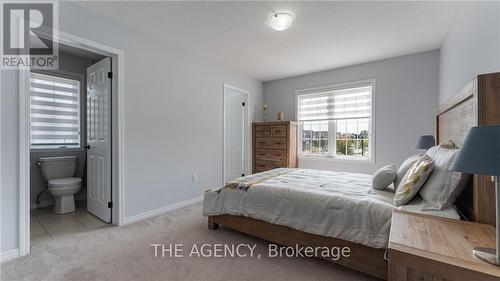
(335, 104)
(55, 111)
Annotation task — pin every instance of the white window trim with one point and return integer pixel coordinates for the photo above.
(74, 76)
(333, 87)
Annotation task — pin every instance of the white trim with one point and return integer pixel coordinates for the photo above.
(118, 186)
(24, 162)
(9, 255)
(247, 134)
(372, 159)
(161, 211)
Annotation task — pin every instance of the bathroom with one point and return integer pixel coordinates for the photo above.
(58, 149)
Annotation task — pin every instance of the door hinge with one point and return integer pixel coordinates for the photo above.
(110, 204)
(110, 75)
(243, 104)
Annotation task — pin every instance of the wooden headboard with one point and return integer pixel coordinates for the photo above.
(454, 119)
(478, 103)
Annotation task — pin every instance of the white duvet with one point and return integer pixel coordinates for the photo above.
(335, 204)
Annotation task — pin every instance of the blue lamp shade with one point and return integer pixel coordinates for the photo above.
(426, 142)
(480, 153)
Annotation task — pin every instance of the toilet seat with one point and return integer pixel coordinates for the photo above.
(64, 182)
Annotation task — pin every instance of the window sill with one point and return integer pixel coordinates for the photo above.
(69, 149)
(337, 159)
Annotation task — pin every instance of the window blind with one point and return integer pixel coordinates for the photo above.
(55, 111)
(351, 103)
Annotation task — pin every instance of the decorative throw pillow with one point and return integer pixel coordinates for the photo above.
(448, 144)
(413, 180)
(404, 168)
(383, 177)
(444, 185)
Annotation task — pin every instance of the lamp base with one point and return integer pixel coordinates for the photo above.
(487, 254)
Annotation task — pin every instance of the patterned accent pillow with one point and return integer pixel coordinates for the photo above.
(413, 180)
(403, 169)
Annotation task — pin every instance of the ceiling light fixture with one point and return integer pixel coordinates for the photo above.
(280, 21)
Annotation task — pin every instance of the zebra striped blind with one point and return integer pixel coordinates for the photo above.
(55, 111)
(349, 103)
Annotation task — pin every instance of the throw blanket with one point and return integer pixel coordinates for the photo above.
(244, 183)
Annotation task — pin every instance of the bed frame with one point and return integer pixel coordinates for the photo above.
(362, 258)
(454, 119)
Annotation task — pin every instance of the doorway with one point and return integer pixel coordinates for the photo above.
(236, 133)
(112, 126)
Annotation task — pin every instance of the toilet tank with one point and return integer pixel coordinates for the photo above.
(57, 167)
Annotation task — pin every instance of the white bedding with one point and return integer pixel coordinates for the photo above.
(335, 204)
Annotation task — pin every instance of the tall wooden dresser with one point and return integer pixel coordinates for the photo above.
(274, 145)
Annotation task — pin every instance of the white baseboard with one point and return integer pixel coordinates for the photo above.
(9, 255)
(160, 211)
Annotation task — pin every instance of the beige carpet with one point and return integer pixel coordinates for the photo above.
(124, 253)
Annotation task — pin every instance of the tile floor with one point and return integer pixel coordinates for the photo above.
(46, 225)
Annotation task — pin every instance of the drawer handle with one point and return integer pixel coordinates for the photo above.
(262, 142)
(277, 142)
(277, 131)
(386, 256)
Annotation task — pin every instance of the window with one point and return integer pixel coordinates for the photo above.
(55, 112)
(336, 122)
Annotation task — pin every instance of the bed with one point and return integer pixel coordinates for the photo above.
(333, 204)
(274, 208)
(313, 208)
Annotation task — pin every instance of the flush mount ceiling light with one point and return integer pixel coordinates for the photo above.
(280, 21)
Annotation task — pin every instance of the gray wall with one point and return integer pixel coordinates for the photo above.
(68, 65)
(405, 104)
(172, 116)
(472, 47)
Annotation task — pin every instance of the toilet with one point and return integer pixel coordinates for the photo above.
(58, 172)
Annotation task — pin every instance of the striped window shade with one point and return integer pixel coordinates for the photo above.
(55, 111)
(347, 103)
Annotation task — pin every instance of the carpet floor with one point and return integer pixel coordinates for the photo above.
(125, 253)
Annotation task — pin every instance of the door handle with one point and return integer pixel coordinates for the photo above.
(87, 146)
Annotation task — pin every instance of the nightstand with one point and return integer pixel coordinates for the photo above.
(423, 247)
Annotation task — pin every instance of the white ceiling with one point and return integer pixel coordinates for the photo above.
(324, 35)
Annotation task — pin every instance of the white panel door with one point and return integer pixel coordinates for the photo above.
(234, 134)
(99, 139)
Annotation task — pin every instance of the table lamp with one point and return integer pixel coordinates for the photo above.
(426, 142)
(480, 155)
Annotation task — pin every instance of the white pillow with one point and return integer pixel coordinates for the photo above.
(383, 177)
(404, 168)
(444, 185)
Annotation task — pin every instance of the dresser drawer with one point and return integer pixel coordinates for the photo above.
(278, 131)
(271, 143)
(263, 165)
(262, 131)
(267, 154)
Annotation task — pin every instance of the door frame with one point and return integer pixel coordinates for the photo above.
(246, 130)
(117, 133)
